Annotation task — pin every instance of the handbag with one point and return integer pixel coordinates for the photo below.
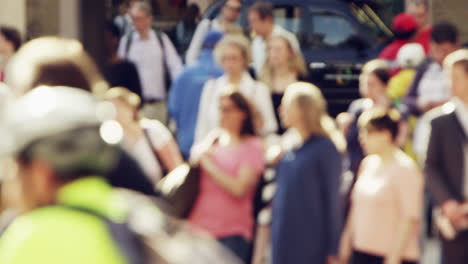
(179, 188)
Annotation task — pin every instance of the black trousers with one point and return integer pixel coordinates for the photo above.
(364, 258)
(238, 245)
(455, 251)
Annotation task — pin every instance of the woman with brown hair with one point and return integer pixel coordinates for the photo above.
(284, 66)
(148, 141)
(231, 166)
(384, 220)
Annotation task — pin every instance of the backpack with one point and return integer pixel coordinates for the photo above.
(159, 36)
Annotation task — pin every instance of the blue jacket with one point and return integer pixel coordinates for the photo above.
(184, 97)
(306, 212)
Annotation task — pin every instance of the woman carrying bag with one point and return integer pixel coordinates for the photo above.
(231, 162)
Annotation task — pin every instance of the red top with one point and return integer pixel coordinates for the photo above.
(424, 38)
(390, 52)
(219, 212)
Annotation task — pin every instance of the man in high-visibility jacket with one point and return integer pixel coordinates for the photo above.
(53, 134)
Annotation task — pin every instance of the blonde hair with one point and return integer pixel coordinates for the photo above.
(296, 63)
(311, 103)
(123, 94)
(57, 62)
(237, 40)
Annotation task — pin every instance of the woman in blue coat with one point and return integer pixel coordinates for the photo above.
(306, 213)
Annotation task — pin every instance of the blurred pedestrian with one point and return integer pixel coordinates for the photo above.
(261, 22)
(181, 35)
(231, 164)
(10, 41)
(149, 142)
(409, 57)
(230, 12)
(421, 11)
(185, 94)
(124, 20)
(156, 59)
(430, 85)
(306, 217)
(404, 27)
(284, 65)
(384, 223)
(233, 54)
(446, 162)
(64, 62)
(375, 83)
(118, 71)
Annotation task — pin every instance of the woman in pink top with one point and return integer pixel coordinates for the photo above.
(383, 226)
(230, 170)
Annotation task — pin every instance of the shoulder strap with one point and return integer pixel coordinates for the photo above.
(166, 75)
(128, 44)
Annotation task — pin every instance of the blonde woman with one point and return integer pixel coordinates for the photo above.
(232, 53)
(148, 141)
(306, 212)
(284, 65)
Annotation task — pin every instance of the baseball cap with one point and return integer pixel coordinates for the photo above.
(404, 23)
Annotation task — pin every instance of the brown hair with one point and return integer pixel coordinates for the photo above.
(381, 119)
(55, 62)
(242, 103)
(264, 9)
(11, 35)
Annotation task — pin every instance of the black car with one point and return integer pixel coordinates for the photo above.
(337, 37)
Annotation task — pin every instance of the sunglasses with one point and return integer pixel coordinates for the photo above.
(233, 8)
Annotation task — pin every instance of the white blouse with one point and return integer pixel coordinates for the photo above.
(142, 151)
(257, 92)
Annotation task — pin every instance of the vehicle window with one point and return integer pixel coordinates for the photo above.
(288, 17)
(328, 30)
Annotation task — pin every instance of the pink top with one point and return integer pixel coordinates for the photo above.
(216, 210)
(382, 197)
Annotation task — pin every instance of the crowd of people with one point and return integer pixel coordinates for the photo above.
(280, 181)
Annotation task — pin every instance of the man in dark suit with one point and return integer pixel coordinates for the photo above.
(446, 165)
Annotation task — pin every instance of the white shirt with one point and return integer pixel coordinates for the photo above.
(205, 26)
(434, 86)
(257, 92)
(259, 46)
(148, 57)
(142, 151)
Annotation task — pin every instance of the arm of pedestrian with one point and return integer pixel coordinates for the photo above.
(195, 45)
(235, 185)
(173, 60)
(170, 155)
